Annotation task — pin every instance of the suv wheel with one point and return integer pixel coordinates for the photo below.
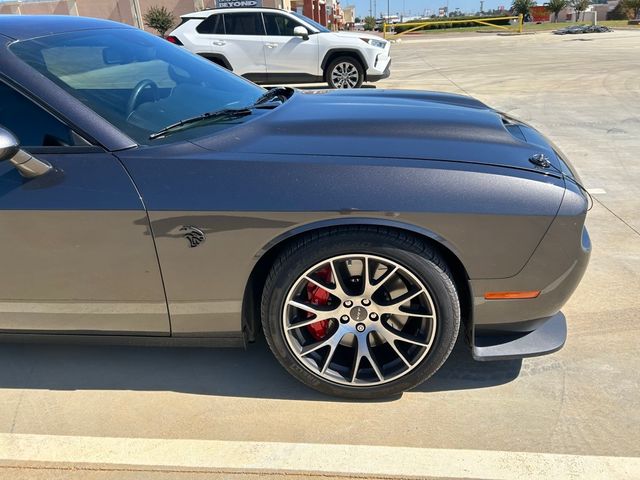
(344, 72)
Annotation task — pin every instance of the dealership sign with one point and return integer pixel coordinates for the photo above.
(239, 3)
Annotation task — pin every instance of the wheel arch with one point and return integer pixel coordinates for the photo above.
(343, 52)
(218, 59)
(270, 252)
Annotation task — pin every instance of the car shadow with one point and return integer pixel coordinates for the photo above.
(253, 373)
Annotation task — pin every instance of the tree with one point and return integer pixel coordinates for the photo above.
(580, 6)
(358, 20)
(160, 19)
(633, 5)
(620, 12)
(522, 7)
(369, 23)
(555, 6)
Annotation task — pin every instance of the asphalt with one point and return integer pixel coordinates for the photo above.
(584, 93)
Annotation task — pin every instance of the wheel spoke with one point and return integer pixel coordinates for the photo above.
(333, 341)
(318, 312)
(338, 290)
(393, 308)
(332, 349)
(371, 286)
(317, 283)
(363, 351)
(386, 276)
(392, 344)
(391, 335)
(366, 278)
(304, 323)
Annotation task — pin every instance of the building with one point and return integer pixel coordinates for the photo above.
(125, 11)
(349, 14)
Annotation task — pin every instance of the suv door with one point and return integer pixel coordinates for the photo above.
(243, 44)
(76, 250)
(289, 57)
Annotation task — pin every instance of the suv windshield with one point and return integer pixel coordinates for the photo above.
(316, 25)
(138, 82)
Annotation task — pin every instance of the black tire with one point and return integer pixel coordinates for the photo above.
(415, 255)
(339, 62)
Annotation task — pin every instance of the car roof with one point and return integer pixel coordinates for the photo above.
(23, 27)
(206, 13)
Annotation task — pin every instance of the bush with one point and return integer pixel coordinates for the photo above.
(160, 19)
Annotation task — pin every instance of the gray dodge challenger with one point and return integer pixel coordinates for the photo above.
(148, 196)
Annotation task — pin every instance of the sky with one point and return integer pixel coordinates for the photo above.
(417, 7)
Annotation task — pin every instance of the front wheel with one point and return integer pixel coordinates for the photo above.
(360, 313)
(344, 72)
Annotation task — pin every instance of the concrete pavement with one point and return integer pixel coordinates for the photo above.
(584, 92)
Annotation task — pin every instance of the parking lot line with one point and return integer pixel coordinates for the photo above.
(361, 460)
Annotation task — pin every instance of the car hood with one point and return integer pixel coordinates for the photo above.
(359, 35)
(386, 124)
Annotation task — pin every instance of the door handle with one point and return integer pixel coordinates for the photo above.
(271, 45)
(219, 43)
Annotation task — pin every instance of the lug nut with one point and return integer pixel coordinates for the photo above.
(366, 302)
(344, 318)
(373, 316)
(348, 303)
(360, 327)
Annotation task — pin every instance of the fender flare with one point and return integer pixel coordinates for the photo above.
(217, 56)
(336, 52)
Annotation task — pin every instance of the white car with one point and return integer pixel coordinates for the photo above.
(269, 45)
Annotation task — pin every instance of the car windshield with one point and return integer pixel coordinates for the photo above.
(316, 25)
(138, 82)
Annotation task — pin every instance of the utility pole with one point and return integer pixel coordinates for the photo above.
(137, 14)
(370, 7)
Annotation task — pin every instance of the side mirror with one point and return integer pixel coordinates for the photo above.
(25, 163)
(9, 145)
(301, 32)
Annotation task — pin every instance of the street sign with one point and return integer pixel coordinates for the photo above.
(239, 3)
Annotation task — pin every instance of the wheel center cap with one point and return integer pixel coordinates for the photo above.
(358, 313)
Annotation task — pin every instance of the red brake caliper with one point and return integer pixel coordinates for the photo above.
(319, 296)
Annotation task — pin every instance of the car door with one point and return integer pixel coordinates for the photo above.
(288, 56)
(76, 251)
(211, 39)
(243, 44)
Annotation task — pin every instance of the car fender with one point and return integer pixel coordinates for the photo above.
(353, 221)
(332, 52)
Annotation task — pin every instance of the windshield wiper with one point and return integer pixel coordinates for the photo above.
(273, 93)
(226, 113)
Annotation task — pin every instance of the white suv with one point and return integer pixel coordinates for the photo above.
(269, 45)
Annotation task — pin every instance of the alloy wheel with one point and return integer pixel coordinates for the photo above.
(344, 75)
(359, 320)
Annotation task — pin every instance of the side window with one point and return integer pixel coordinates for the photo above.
(33, 126)
(243, 24)
(211, 25)
(279, 24)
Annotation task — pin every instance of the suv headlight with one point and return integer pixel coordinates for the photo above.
(375, 43)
